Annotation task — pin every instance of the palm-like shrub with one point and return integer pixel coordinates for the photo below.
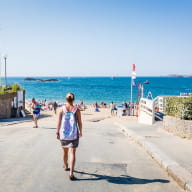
(10, 89)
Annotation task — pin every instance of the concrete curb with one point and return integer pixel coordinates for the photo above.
(178, 173)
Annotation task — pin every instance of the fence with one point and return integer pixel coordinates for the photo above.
(131, 110)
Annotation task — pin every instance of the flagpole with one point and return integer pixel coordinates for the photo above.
(0, 71)
(131, 89)
(133, 77)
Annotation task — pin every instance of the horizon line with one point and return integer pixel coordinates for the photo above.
(171, 75)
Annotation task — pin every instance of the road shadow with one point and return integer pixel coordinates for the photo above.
(122, 179)
(44, 116)
(28, 117)
(97, 119)
(48, 128)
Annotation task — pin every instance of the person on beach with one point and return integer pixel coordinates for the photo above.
(55, 107)
(36, 111)
(125, 108)
(69, 129)
(96, 107)
(125, 105)
(113, 108)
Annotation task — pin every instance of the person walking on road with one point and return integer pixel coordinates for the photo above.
(69, 129)
(36, 111)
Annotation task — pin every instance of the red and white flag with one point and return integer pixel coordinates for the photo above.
(133, 76)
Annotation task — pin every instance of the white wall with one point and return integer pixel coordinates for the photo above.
(146, 111)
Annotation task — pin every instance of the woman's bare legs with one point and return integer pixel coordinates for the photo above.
(65, 157)
(72, 160)
(35, 120)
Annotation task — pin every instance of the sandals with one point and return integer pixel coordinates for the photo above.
(66, 168)
(72, 177)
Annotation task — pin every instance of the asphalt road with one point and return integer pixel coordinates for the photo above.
(30, 160)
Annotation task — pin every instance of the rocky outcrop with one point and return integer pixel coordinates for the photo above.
(39, 80)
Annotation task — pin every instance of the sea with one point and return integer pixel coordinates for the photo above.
(102, 89)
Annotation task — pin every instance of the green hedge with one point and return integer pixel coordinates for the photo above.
(10, 89)
(180, 107)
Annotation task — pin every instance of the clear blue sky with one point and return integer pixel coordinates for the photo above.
(96, 37)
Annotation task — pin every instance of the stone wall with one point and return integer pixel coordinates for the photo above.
(182, 128)
(5, 104)
(6, 108)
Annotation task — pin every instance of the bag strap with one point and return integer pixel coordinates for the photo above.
(74, 109)
(64, 109)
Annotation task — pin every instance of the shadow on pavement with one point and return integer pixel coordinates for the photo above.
(22, 119)
(17, 120)
(122, 179)
(44, 116)
(48, 128)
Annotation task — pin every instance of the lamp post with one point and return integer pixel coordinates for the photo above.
(5, 59)
(141, 89)
(0, 71)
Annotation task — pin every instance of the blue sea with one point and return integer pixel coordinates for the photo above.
(107, 89)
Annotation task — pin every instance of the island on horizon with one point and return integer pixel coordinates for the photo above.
(39, 80)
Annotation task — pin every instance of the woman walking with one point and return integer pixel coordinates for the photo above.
(36, 111)
(69, 129)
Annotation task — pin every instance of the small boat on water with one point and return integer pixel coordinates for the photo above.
(146, 82)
